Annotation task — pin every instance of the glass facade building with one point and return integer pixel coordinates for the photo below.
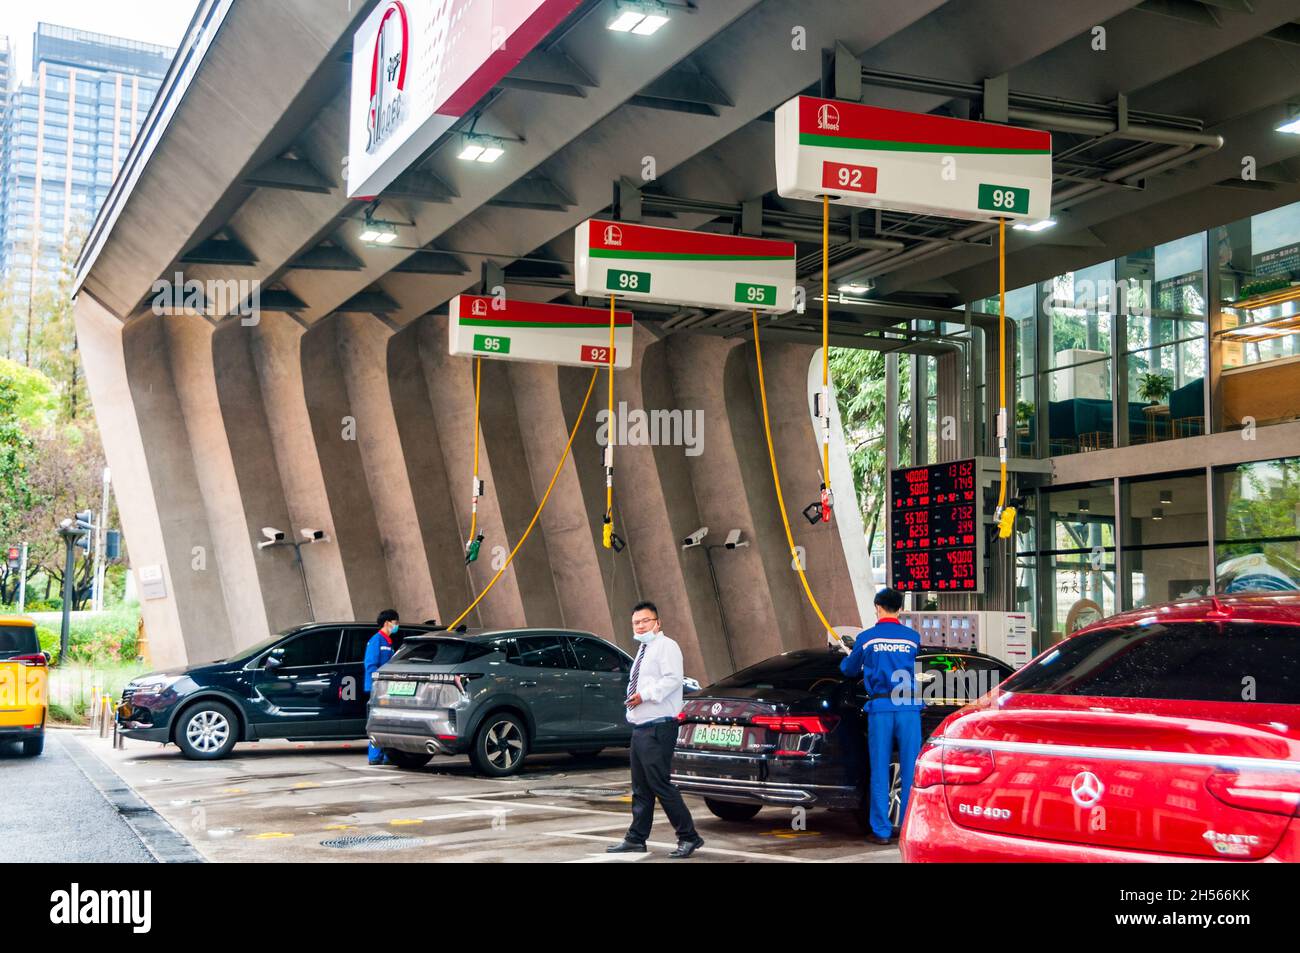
(67, 130)
(1196, 339)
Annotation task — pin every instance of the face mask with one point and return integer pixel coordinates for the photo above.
(393, 630)
(644, 637)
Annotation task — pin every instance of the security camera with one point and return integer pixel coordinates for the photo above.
(313, 535)
(733, 540)
(272, 535)
(695, 538)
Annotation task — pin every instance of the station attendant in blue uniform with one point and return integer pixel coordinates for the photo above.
(378, 651)
(885, 656)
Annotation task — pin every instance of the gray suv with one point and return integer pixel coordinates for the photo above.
(499, 695)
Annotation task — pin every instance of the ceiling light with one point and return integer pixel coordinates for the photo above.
(1157, 513)
(855, 288)
(642, 17)
(481, 148)
(1166, 496)
(490, 154)
(378, 232)
(1035, 227)
(1083, 506)
(1291, 125)
(470, 152)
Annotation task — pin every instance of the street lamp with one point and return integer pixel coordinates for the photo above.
(73, 531)
(276, 537)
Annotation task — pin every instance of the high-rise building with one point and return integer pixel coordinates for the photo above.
(67, 130)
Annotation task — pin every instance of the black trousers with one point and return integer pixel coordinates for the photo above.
(652, 759)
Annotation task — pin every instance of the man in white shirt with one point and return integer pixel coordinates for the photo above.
(654, 700)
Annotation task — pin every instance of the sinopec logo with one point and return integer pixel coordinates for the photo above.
(828, 117)
(479, 307)
(613, 235)
(387, 107)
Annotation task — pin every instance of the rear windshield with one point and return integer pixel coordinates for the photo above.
(440, 651)
(798, 671)
(18, 640)
(1189, 661)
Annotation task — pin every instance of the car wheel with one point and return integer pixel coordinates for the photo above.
(407, 759)
(207, 731)
(499, 745)
(731, 811)
(33, 746)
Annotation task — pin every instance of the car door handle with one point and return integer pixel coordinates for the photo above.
(527, 684)
(592, 685)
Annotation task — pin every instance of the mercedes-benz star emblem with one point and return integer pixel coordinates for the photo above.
(1086, 789)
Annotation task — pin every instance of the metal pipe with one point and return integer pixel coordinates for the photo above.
(807, 234)
(1063, 122)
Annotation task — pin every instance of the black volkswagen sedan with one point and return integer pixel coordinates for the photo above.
(791, 731)
(304, 684)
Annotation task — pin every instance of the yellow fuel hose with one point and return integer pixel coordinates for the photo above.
(826, 349)
(1002, 364)
(797, 562)
(540, 506)
(607, 531)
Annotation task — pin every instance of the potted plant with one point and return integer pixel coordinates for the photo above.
(1024, 412)
(1155, 388)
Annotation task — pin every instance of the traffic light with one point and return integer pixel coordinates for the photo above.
(85, 521)
(14, 555)
(113, 544)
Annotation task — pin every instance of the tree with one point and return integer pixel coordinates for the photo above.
(16, 459)
(859, 376)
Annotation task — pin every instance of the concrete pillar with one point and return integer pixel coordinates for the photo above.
(450, 382)
(439, 501)
(363, 359)
(571, 522)
(700, 368)
(253, 458)
(101, 346)
(191, 549)
(335, 429)
(189, 344)
(277, 359)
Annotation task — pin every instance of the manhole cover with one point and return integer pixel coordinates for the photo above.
(374, 842)
(587, 794)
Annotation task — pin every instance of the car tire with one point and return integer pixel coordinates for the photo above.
(407, 760)
(207, 731)
(32, 747)
(500, 745)
(731, 811)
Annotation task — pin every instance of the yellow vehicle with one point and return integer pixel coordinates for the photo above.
(23, 685)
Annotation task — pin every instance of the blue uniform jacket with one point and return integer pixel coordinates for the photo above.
(885, 656)
(378, 651)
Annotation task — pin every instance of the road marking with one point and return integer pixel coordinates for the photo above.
(340, 827)
(269, 835)
(306, 784)
(609, 859)
(406, 821)
(563, 808)
(791, 834)
(499, 812)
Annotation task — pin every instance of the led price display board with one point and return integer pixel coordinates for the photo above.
(935, 537)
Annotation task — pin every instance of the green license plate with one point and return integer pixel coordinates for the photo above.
(618, 280)
(401, 689)
(719, 736)
(1003, 198)
(755, 294)
(494, 344)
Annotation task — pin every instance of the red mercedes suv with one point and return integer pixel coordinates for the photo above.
(1169, 733)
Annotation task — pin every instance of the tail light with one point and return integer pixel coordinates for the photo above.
(945, 764)
(797, 724)
(29, 660)
(1272, 792)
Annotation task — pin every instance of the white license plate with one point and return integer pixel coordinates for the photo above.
(719, 736)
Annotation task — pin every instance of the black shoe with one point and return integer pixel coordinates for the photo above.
(882, 841)
(895, 833)
(686, 848)
(625, 847)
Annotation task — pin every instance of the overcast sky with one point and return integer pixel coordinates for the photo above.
(153, 21)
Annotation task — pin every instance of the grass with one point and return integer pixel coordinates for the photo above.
(72, 687)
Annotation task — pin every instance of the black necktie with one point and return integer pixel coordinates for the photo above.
(636, 667)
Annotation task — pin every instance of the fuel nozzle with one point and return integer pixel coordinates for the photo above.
(472, 547)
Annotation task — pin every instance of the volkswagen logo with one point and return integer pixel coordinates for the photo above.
(828, 117)
(1086, 789)
(613, 235)
(716, 709)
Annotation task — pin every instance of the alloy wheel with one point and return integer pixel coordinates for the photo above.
(207, 731)
(504, 744)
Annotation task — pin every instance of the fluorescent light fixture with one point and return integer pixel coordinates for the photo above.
(1291, 126)
(386, 238)
(642, 17)
(650, 24)
(855, 288)
(1035, 227)
(481, 149)
(369, 235)
(378, 233)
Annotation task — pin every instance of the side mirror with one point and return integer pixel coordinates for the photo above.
(48, 657)
(273, 661)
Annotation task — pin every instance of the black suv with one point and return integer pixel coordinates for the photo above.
(304, 684)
